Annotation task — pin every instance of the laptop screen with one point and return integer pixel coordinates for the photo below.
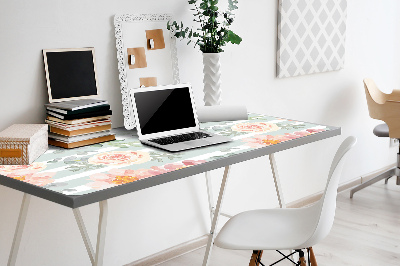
(164, 110)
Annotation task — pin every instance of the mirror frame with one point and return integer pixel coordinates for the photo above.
(123, 67)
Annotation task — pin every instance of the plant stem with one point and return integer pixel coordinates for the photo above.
(202, 22)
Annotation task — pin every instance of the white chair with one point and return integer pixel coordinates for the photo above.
(287, 229)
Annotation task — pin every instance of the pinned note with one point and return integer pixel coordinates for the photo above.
(155, 39)
(148, 82)
(137, 58)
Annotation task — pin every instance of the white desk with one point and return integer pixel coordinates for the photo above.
(75, 178)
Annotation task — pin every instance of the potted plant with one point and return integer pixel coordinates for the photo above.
(212, 35)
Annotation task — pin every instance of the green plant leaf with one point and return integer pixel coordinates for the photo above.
(213, 34)
(204, 5)
(214, 8)
(233, 37)
(232, 5)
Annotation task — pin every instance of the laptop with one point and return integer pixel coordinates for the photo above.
(166, 118)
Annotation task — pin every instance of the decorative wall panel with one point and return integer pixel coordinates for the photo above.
(311, 36)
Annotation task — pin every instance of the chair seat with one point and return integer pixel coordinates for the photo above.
(381, 130)
(269, 229)
(285, 229)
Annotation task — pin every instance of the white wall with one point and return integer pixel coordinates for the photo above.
(148, 221)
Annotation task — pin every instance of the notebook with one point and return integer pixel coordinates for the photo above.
(77, 106)
(80, 116)
(72, 139)
(166, 118)
(78, 121)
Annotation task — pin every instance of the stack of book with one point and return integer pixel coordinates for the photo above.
(78, 123)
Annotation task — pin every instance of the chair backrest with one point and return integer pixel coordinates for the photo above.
(384, 106)
(327, 203)
(379, 96)
(376, 99)
(372, 101)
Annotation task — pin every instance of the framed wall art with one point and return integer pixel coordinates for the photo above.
(146, 53)
(311, 36)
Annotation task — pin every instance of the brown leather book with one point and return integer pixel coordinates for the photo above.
(81, 143)
(79, 131)
(78, 121)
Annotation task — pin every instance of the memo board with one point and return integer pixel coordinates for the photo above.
(147, 65)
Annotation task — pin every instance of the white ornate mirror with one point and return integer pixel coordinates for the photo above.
(146, 53)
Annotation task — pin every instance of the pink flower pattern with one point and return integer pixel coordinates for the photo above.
(115, 160)
(259, 127)
(37, 179)
(116, 177)
(21, 169)
(267, 140)
(28, 173)
(120, 158)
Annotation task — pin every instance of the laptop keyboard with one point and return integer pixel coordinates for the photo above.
(180, 138)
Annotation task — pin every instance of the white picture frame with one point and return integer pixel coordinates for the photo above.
(66, 50)
(130, 33)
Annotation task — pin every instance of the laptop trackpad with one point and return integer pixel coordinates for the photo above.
(197, 143)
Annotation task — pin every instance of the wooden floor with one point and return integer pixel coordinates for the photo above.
(366, 232)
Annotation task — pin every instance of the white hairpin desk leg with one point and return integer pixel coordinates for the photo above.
(215, 217)
(101, 233)
(95, 258)
(210, 194)
(19, 230)
(277, 182)
(85, 236)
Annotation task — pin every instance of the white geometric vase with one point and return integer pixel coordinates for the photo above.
(212, 75)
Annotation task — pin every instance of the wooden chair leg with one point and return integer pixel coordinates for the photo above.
(313, 260)
(255, 258)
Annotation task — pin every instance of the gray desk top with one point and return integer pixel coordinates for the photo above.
(86, 175)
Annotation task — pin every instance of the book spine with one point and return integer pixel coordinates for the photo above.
(78, 126)
(79, 131)
(55, 115)
(79, 137)
(81, 143)
(80, 116)
(99, 108)
(57, 110)
(78, 121)
(71, 106)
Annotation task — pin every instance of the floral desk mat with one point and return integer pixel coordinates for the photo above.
(87, 169)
